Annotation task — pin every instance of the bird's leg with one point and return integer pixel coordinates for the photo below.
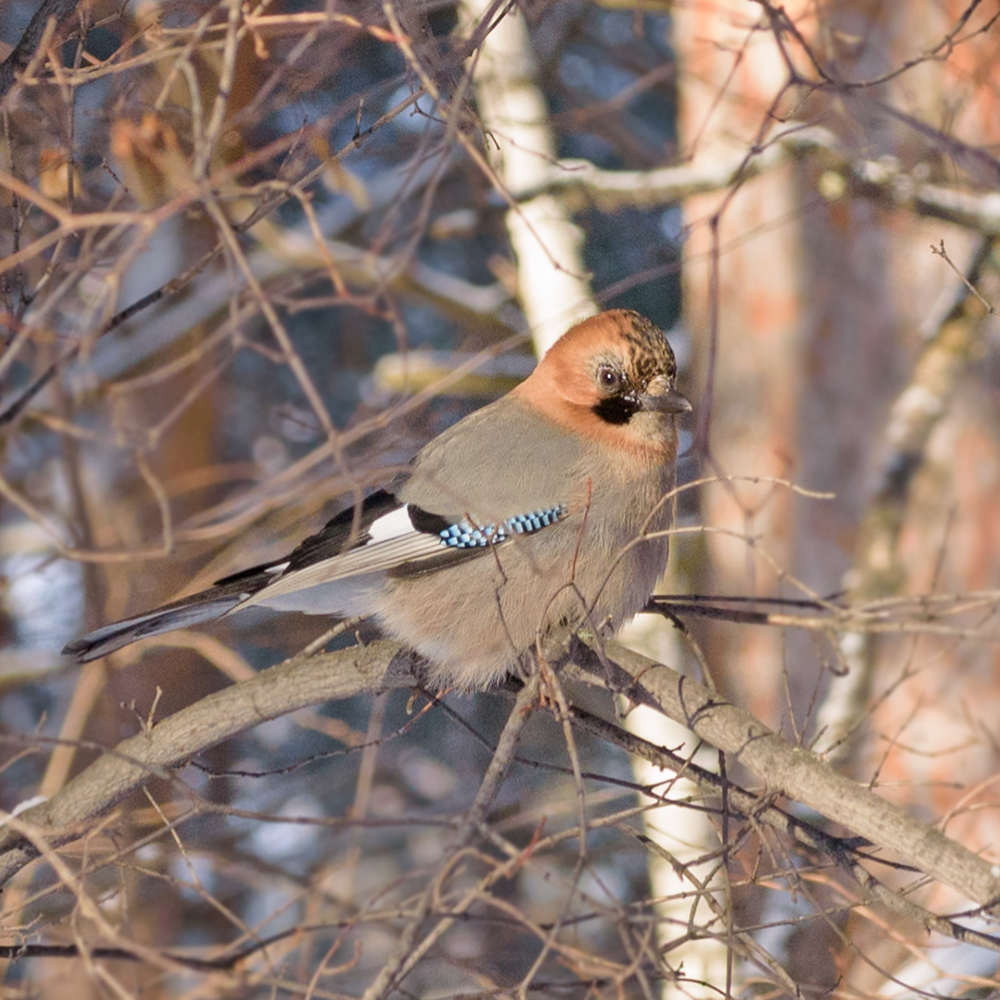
(551, 649)
(523, 668)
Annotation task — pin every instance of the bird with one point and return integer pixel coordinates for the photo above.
(550, 506)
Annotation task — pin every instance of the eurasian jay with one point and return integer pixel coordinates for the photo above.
(550, 505)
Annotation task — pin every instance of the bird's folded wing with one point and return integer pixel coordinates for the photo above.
(404, 541)
(383, 538)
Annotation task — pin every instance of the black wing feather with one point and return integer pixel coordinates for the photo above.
(343, 532)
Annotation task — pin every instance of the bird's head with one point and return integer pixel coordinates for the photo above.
(611, 378)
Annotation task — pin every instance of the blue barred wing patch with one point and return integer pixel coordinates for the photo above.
(464, 535)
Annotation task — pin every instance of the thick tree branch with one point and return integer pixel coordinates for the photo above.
(579, 183)
(298, 683)
(783, 768)
(801, 775)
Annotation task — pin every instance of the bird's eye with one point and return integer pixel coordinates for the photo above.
(608, 379)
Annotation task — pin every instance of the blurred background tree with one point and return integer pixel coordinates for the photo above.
(254, 256)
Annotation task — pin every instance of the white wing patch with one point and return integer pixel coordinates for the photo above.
(395, 524)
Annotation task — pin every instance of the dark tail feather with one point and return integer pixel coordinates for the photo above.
(204, 607)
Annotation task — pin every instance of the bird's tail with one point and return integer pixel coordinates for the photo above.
(204, 607)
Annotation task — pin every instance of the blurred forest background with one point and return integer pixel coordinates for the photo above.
(254, 254)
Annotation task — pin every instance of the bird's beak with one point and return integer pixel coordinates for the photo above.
(666, 400)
